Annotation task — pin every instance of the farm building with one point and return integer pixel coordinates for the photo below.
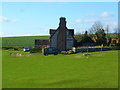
(62, 37)
(42, 43)
(87, 41)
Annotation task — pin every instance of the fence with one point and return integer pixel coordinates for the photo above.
(96, 49)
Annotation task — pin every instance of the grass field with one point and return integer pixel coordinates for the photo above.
(23, 41)
(97, 70)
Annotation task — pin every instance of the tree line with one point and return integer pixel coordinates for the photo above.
(100, 34)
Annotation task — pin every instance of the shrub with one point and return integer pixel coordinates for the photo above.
(35, 50)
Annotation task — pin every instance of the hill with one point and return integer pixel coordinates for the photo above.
(22, 41)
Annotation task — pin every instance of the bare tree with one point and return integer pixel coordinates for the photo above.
(99, 32)
(115, 30)
(107, 31)
(95, 27)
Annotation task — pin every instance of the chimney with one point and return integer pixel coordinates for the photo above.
(62, 22)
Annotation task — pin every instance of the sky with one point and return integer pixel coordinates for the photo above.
(36, 18)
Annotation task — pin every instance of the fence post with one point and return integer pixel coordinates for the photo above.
(101, 47)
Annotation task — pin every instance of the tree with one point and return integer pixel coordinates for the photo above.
(97, 29)
(87, 40)
(107, 31)
(78, 37)
(101, 37)
(100, 34)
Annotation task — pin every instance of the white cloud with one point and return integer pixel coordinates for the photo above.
(83, 21)
(14, 35)
(4, 19)
(41, 34)
(102, 16)
(2, 34)
(27, 34)
(106, 16)
(112, 26)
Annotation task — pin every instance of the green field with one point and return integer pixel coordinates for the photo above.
(97, 70)
(23, 41)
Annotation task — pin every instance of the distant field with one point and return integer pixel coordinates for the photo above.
(21, 41)
(112, 35)
(97, 70)
(28, 40)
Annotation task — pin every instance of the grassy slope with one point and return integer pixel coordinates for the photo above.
(21, 41)
(100, 69)
(27, 40)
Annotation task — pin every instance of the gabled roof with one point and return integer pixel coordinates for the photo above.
(71, 31)
(62, 24)
(53, 31)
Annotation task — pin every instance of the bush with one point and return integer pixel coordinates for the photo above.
(35, 50)
(16, 49)
(6, 48)
(63, 52)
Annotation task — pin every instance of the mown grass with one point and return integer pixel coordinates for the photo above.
(97, 70)
(23, 41)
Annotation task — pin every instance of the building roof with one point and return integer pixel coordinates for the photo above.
(53, 31)
(63, 25)
(86, 39)
(42, 42)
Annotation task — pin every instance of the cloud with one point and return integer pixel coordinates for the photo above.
(14, 35)
(102, 16)
(114, 23)
(26, 34)
(106, 16)
(4, 19)
(41, 34)
(112, 26)
(83, 21)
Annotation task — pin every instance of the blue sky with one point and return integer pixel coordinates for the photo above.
(36, 18)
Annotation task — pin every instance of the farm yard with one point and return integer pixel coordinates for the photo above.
(81, 70)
